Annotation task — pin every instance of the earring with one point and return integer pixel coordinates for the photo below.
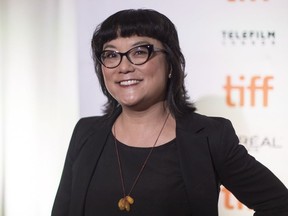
(170, 73)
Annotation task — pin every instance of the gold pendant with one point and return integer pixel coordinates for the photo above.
(125, 202)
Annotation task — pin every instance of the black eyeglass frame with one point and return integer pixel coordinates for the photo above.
(150, 48)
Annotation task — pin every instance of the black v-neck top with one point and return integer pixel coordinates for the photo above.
(160, 190)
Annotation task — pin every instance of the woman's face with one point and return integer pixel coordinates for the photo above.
(137, 86)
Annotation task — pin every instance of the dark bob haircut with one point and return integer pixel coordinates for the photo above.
(149, 23)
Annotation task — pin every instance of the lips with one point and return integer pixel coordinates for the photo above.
(129, 82)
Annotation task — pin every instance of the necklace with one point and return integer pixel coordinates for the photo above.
(126, 201)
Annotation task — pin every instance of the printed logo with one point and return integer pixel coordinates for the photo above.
(248, 91)
(229, 200)
(251, 37)
(255, 142)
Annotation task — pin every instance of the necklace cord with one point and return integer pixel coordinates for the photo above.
(119, 163)
(144, 164)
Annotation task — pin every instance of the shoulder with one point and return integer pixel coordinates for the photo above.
(218, 132)
(87, 123)
(88, 126)
(198, 122)
(84, 129)
(210, 120)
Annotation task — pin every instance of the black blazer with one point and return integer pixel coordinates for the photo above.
(209, 155)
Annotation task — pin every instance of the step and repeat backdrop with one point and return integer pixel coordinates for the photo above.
(237, 67)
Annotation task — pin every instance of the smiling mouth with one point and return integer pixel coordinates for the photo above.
(129, 82)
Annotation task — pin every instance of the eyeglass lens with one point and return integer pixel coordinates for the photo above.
(137, 55)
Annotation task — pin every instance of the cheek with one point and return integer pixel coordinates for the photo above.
(159, 71)
(107, 84)
(106, 76)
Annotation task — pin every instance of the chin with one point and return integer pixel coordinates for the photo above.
(129, 101)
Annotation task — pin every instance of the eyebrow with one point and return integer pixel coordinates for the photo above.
(138, 43)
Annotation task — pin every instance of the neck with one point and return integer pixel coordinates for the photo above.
(139, 128)
(143, 117)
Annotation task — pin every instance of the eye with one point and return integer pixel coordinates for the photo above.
(109, 55)
(139, 52)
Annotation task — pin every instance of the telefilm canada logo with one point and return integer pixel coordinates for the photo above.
(248, 37)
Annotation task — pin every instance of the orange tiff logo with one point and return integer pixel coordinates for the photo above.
(230, 202)
(239, 94)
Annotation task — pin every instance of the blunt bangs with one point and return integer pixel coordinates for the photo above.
(133, 22)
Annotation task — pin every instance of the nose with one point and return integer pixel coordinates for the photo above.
(125, 66)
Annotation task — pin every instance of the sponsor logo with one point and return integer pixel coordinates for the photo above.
(229, 200)
(248, 91)
(255, 142)
(251, 37)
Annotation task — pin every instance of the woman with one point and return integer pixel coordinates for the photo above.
(151, 154)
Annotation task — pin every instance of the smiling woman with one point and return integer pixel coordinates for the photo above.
(143, 72)
(150, 153)
(150, 25)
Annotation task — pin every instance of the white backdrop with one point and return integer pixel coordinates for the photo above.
(237, 66)
(236, 53)
(38, 101)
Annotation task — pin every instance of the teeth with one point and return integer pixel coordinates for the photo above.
(129, 82)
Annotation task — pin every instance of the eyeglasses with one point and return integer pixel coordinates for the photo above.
(137, 55)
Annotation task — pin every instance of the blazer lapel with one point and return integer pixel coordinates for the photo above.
(196, 163)
(86, 163)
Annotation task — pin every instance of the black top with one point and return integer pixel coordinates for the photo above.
(160, 190)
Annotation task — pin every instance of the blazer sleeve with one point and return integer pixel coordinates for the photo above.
(249, 180)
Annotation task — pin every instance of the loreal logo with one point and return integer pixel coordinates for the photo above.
(248, 91)
(251, 37)
(255, 142)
